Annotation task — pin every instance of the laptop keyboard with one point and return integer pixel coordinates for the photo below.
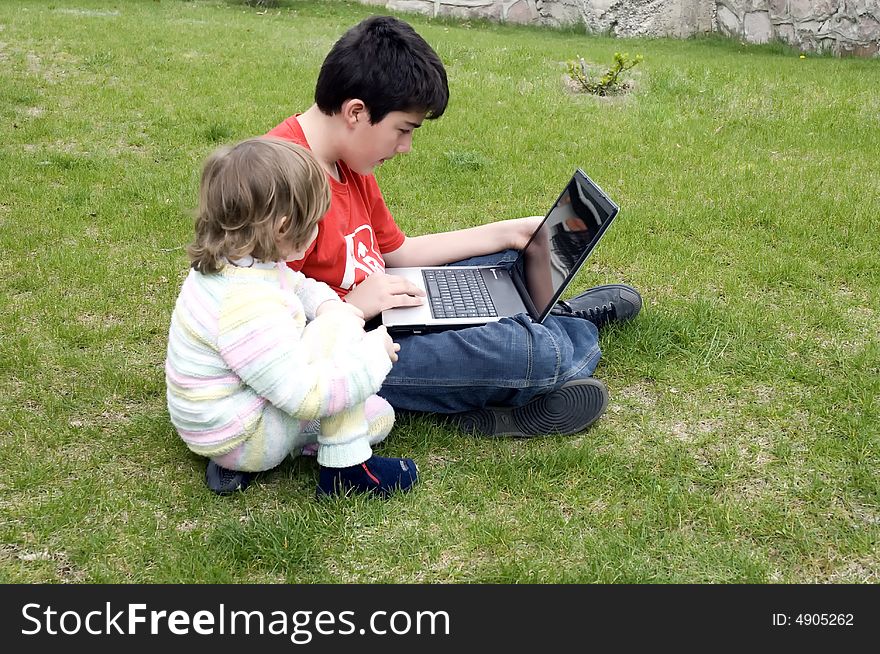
(458, 293)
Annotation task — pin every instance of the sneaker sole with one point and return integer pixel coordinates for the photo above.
(567, 410)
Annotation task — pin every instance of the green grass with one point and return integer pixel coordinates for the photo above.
(741, 440)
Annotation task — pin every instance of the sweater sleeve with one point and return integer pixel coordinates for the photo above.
(261, 343)
(310, 292)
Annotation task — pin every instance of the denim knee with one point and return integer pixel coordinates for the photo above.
(508, 362)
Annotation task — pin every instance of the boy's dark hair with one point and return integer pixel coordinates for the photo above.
(384, 62)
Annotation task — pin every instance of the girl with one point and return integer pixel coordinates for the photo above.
(263, 361)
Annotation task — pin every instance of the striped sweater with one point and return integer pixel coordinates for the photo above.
(236, 344)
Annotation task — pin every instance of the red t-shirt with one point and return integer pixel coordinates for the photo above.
(354, 232)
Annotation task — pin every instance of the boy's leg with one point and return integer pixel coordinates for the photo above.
(602, 305)
(504, 363)
(510, 363)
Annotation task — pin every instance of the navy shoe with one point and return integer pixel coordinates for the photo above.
(377, 475)
(569, 409)
(602, 305)
(225, 482)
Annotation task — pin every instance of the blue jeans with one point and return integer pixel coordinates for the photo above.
(504, 363)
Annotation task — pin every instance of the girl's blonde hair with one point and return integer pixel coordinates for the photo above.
(255, 196)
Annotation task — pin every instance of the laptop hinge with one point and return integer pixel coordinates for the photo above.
(517, 273)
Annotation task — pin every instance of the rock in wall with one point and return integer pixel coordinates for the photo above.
(841, 26)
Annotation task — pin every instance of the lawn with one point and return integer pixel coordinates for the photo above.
(741, 438)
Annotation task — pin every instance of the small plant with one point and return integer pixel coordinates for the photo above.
(610, 83)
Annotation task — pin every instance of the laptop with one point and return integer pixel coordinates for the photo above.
(465, 296)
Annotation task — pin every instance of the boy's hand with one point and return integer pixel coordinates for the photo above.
(521, 230)
(380, 291)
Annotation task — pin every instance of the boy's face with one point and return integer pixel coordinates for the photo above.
(373, 145)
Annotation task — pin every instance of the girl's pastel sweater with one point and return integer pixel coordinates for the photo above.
(235, 344)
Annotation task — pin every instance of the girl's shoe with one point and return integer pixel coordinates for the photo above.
(225, 482)
(377, 476)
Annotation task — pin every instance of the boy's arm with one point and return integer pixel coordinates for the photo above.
(446, 247)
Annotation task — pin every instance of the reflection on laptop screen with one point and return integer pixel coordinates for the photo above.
(569, 233)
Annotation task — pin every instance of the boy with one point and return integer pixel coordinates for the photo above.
(377, 85)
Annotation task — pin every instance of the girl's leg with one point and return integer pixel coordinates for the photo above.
(346, 458)
(345, 438)
(274, 437)
(380, 420)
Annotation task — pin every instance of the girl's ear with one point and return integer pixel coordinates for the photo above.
(354, 111)
(281, 225)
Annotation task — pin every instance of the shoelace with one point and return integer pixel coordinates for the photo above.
(599, 315)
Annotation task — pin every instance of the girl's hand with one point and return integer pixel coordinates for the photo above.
(338, 305)
(344, 309)
(391, 348)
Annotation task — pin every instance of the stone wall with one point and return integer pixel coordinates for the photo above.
(842, 26)
(618, 17)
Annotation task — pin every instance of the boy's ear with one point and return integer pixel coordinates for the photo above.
(354, 111)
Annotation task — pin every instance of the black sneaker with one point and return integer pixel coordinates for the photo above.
(225, 482)
(602, 305)
(571, 408)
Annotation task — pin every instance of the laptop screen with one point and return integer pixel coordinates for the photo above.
(563, 241)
